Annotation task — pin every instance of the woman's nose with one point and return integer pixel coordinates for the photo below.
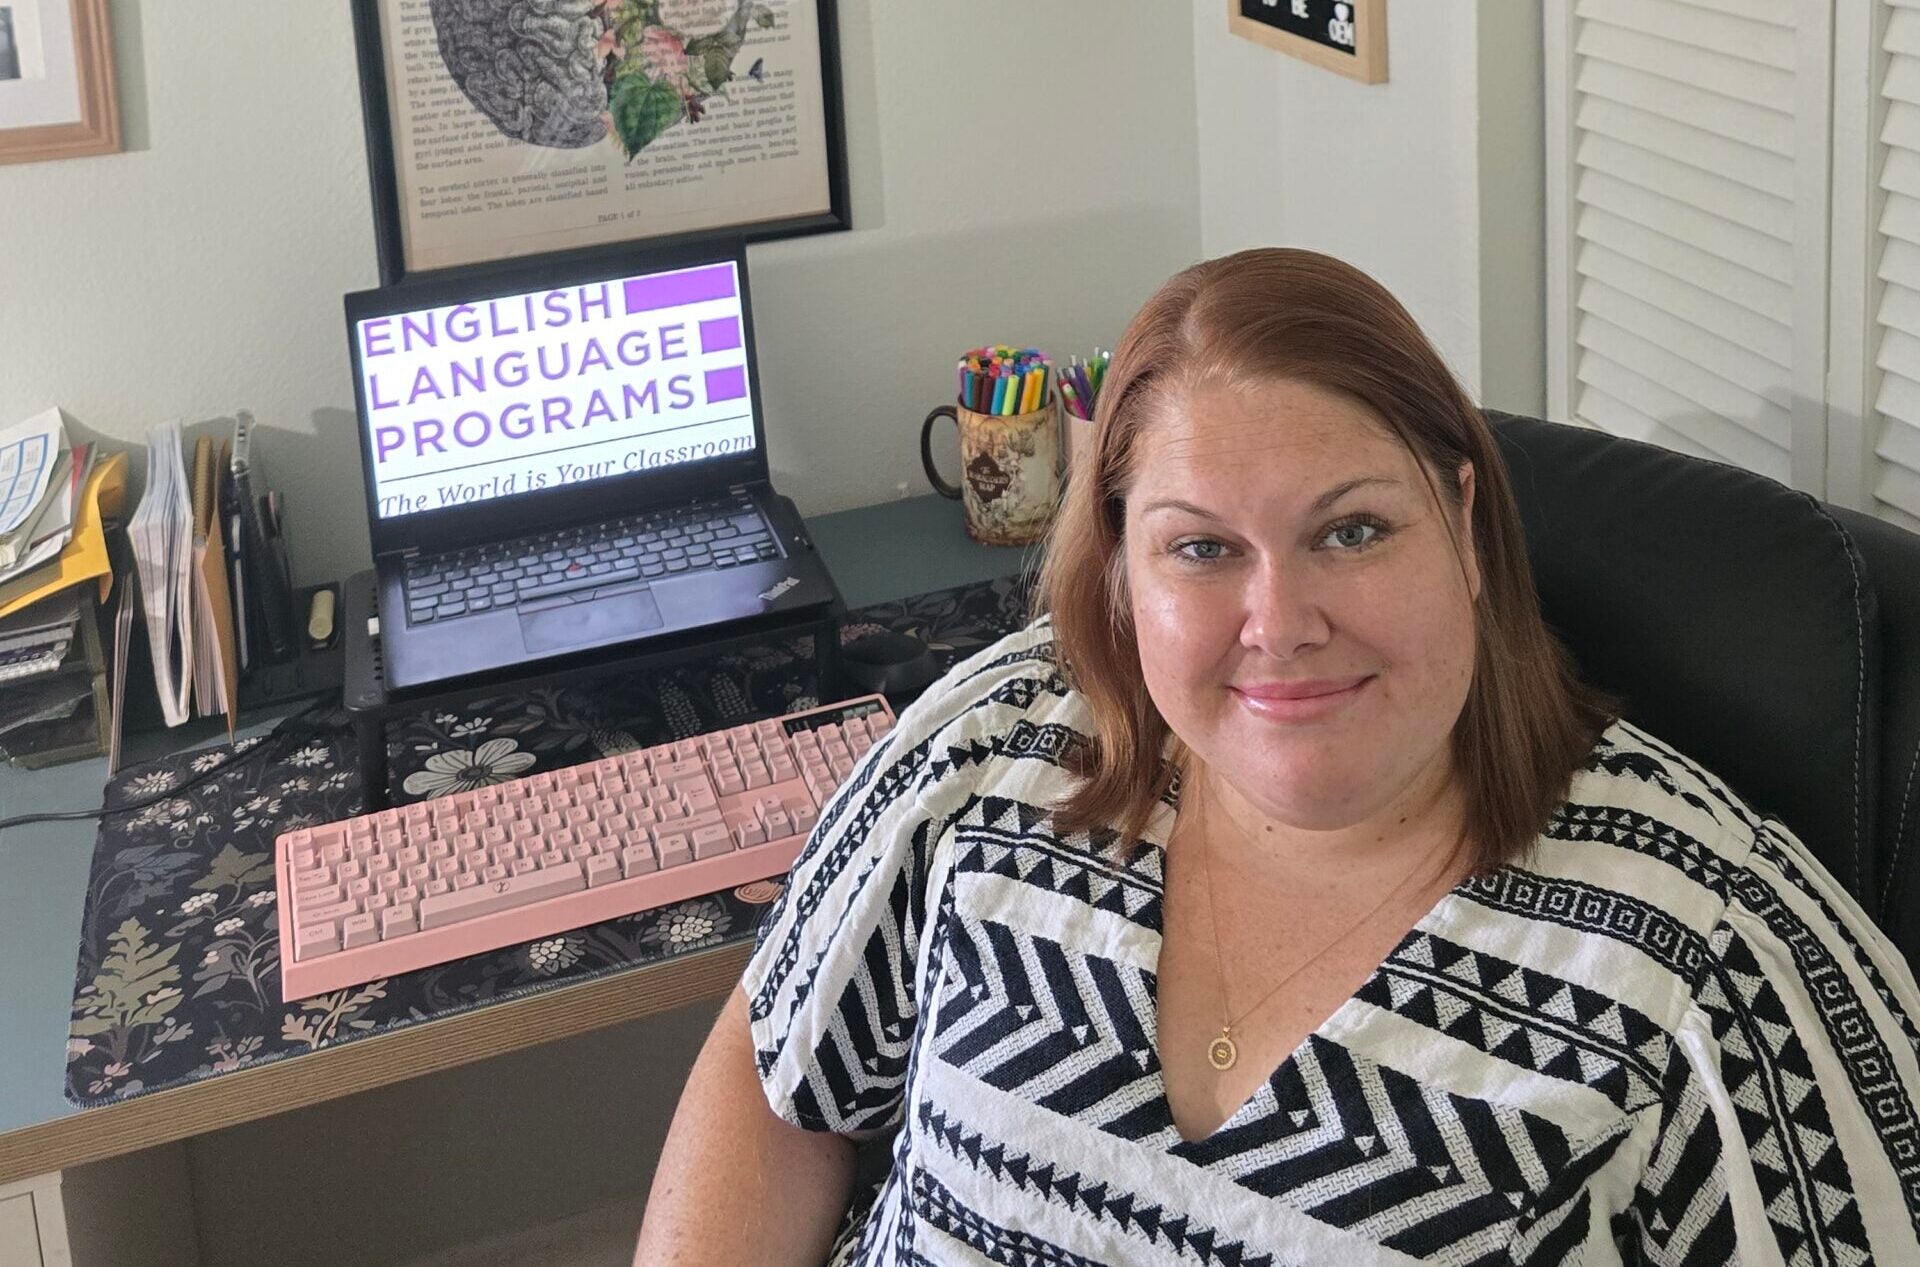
(1285, 615)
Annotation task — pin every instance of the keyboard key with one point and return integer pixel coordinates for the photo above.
(711, 840)
(321, 937)
(673, 848)
(501, 894)
(577, 581)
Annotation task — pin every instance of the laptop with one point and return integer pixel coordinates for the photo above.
(564, 458)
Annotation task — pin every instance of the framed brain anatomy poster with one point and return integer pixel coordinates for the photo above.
(500, 129)
(1348, 37)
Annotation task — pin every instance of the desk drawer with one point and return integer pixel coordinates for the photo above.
(33, 1228)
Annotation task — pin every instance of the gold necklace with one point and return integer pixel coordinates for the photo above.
(1222, 1054)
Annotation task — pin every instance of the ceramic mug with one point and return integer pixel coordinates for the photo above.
(1009, 471)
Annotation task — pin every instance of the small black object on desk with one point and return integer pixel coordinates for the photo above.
(309, 670)
(370, 702)
(897, 665)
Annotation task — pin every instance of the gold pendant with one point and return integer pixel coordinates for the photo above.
(1221, 1053)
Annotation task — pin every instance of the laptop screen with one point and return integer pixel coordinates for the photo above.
(551, 388)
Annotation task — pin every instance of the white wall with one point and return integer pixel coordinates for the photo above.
(201, 271)
(1430, 181)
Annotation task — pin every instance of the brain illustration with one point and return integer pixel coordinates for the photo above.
(562, 72)
(531, 66)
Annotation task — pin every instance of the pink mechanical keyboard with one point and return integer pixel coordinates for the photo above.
(463, 874)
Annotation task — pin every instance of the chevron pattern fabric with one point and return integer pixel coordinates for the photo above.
(1665, 1036)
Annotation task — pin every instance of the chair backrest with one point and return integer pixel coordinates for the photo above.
(1733, 616)
(1893, 561)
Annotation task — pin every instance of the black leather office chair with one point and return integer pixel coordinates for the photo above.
(1773, 638)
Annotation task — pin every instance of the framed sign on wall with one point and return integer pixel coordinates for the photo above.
(1348, 37)
(500, 129)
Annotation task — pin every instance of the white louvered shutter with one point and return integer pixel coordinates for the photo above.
(1887, 482)
(1688, 201)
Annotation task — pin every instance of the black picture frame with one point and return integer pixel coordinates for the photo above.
(383, 177)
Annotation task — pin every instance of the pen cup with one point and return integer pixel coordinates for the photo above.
(1077, 433)
(1010, 470)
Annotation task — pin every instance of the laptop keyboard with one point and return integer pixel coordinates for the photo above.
(671, 541)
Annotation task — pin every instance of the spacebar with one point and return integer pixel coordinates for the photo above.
(625, 572)
(437, 909)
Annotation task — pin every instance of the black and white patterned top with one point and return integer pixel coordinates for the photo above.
(1668, 1037)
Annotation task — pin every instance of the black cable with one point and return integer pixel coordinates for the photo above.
(271, 743)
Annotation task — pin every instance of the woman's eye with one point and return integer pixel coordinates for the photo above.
(1199, 550)
(1352, 534)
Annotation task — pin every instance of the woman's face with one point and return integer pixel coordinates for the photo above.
(1304, 625)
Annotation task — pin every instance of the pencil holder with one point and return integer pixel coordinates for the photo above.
(1009, 470)
(1078, 435)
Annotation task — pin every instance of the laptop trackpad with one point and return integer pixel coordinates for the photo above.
(589, 617)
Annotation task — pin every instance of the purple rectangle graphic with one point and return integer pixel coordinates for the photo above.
(727, 384)
(720, 334)
(670, 290)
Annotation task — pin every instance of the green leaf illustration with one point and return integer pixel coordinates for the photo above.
(233, 867)
(762, 16)
(642, 110)
(634, 16)
(718, 64)
(134, 985)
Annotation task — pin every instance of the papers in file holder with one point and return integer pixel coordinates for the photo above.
(181, 559)
(216, 667)
(84, 557)
(28, 456)
(162, 532)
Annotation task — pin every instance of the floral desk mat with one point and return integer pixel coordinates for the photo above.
(179, 970)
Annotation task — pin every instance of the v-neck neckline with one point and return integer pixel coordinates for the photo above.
(1158, 831)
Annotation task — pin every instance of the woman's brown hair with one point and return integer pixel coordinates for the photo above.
(1270, 315)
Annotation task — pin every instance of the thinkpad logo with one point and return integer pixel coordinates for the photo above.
(782, 587)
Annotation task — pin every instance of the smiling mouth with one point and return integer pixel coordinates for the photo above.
(1303, 690)
(1293, 707)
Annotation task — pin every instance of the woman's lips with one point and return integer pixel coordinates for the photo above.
(1300, 701)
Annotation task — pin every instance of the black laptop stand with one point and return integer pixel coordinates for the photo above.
(370, 703)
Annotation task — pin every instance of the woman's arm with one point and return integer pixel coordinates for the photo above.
(735, 1183)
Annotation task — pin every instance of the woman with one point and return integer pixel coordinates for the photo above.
(1281, 897)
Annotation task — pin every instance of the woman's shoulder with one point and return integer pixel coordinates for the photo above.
(1635, 781)
(1647, 831)
(1655, 846)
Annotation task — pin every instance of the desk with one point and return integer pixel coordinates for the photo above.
(876, 553)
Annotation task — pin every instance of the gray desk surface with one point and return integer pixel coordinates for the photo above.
(876, 553)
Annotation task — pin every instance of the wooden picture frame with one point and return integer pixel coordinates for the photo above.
(1354, 45)
(749, 143)
(56, 81)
